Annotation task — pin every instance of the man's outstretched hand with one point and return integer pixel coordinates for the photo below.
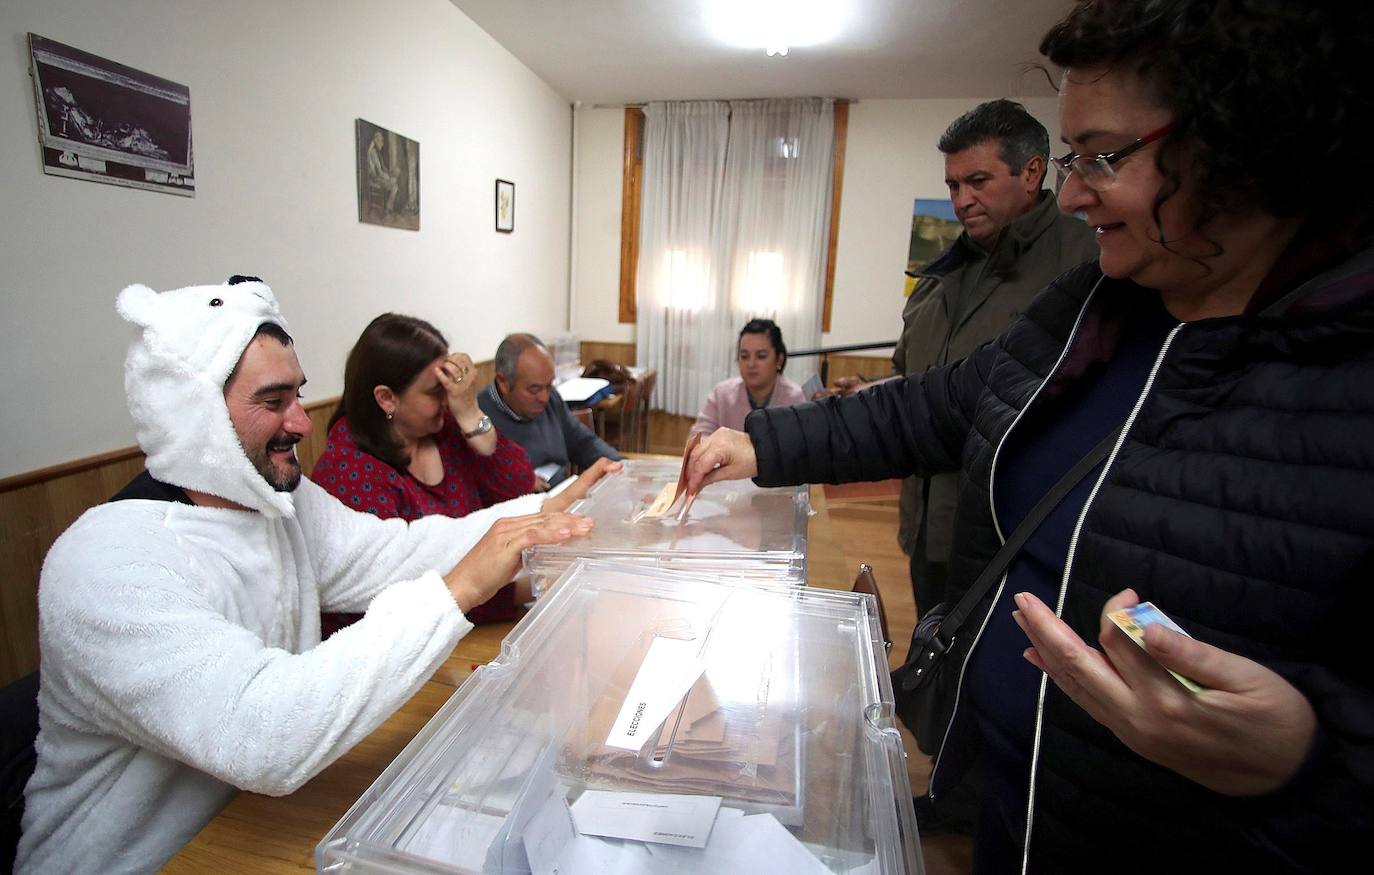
(495, 559)
(580, 487)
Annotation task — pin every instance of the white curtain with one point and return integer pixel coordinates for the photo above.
(735, 210)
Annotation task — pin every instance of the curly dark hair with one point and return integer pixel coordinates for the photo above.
(1266, 95)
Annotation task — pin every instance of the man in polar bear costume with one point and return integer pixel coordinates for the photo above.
(179, 623)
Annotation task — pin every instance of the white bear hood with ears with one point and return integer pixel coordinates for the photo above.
(174, 375)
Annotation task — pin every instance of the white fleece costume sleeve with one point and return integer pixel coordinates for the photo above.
(346, 582)
(182, 660)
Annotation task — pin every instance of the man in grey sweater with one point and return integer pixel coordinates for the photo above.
(525, 407)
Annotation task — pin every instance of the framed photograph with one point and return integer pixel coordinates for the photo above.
(505, 206)
(388, 178)
(105, 122)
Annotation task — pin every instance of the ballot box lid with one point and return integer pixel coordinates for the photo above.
(732, 527)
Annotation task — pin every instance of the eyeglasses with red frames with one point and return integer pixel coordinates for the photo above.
(1097, 171)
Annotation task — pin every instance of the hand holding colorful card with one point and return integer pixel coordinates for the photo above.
(1135, 620)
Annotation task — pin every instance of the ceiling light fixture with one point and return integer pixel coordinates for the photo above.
(776, 25)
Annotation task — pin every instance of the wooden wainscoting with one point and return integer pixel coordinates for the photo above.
(38, 506)
(870, 367)
(486, 371)
(35, 509)
(620, 353)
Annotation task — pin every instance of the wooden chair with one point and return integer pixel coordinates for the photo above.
(605, 414)
(584, 416)
(615, 418)
(627, 428)
(641, 412)
(620, 423)
(865, 582)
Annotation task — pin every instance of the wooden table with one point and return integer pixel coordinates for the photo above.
(264, 834)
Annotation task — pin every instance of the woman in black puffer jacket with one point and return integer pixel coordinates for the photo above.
(1228, 330)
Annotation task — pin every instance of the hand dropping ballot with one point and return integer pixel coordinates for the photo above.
(671, 492)
(1135, 620)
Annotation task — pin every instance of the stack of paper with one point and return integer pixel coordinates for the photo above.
(584, 391)
(670, 733)
(631, 833)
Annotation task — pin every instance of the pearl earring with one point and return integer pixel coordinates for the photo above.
(388, 415)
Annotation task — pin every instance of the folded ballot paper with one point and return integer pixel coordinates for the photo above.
(631, 833)
(669, 732)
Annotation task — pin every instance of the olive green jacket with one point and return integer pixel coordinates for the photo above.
(963, 299)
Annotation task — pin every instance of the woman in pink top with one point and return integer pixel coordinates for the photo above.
(761, 357)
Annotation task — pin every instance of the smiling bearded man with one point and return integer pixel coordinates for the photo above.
(179, 624)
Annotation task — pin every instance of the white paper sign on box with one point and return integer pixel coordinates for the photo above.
(668, 671)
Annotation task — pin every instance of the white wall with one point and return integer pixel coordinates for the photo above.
(890, 160)
(596, 278)
(275, 88)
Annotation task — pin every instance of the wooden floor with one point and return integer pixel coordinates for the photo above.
(864, 523)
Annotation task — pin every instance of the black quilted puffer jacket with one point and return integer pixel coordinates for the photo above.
(1240, 499)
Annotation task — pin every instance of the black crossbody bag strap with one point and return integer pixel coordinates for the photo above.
(992, 573)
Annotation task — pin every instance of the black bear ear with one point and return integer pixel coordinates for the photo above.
(239, 278)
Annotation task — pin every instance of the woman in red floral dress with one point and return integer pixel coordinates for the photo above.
(408, 439)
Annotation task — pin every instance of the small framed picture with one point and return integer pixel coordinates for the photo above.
(505, 206)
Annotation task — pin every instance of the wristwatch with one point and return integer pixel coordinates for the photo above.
(483, 426)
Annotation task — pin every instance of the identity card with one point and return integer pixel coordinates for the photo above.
(1135, 620)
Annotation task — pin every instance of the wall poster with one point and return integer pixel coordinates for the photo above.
(105, 122)
(934, 228)
(388, 178)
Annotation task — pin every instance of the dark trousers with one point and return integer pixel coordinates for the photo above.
(927, 578)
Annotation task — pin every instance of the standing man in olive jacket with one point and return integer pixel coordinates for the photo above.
(1014, 242)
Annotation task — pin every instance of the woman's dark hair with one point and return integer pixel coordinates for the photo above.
(392, 351)
(1266, 95)
(770, 328)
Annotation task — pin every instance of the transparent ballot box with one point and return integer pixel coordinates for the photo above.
(644, 720)
(733, 527)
